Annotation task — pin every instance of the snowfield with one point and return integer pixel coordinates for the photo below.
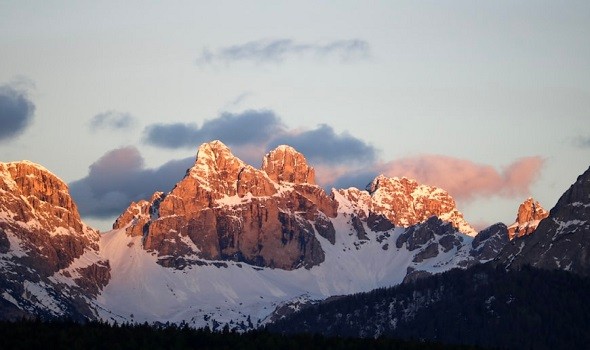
(216, 293)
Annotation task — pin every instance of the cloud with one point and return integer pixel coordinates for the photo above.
(347, 177)
(120, 177)
(278, 50)
(464, 179)
(323, 145)
(246, 128)
(16, 111)
(253, 132)
(112, 120)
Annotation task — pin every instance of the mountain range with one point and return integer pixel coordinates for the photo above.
(234, 245)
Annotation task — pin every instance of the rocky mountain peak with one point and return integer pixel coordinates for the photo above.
(578, 195)
(405, 202)
(224, 209)
(530, 213)
(285, 164)
(216, 166)
(44, 242)
(31, 192)
(402, 184)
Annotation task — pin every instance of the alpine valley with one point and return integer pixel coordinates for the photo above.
(234, 245)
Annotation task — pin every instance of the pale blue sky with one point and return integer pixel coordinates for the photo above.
(485, 83)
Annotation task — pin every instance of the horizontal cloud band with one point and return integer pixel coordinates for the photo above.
(253, 132)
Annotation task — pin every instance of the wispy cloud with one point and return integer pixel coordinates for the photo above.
(16, 110)
(279, 50)
(111, 120)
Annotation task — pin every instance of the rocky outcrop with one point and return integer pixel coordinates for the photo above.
(404, 202)
(284, 164)
(530, 214)
(419, 235)
(32, 194)
(562, 240)
(42, 244)
(224, 209)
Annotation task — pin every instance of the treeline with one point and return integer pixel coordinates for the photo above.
(67, 334)
(484, 305)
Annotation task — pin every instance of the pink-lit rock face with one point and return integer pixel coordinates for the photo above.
(405, 202)
(530, 214)
(230, 210)
(224, 209)
(284, 164)
(44, 241)
(52, 226)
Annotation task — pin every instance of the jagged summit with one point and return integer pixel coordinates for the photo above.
(215, 171)
(285, 164)
(29, 163)
(225, 209)
(530, 213)
(406, 202)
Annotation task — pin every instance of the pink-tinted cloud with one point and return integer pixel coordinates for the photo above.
(464, 179)
(520, 174)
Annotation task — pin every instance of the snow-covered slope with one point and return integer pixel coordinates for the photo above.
(217, 292)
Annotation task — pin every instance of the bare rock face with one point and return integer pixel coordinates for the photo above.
(42, 241)
(530, 214)
(284, 164)
(405, 203)
(417, 236)
(489, 242)
(33, 193)
(562, 240)
(224, 209)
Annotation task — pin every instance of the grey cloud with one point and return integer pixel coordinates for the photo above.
(262, 51)
(251, 127)
(324, 145)
(16, 111)
(112, 120)
(118, 178)
(356, 178)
